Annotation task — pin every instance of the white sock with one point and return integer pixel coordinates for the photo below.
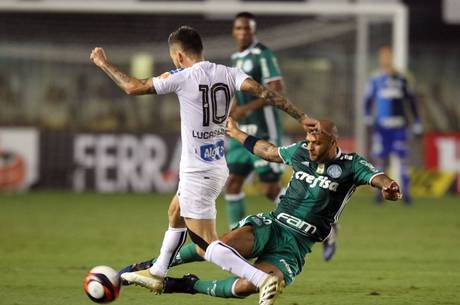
(230, 260)
(172, 242)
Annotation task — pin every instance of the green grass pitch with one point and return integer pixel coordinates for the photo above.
(388, 255)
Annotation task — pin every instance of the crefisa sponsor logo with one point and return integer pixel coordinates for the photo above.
(321, 181)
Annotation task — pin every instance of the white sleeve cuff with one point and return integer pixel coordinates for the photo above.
(279, 153)
(373, 176)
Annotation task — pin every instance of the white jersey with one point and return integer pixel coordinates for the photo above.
(205, 92)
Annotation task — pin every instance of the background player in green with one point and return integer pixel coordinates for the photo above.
(323, 181)
(256, 118)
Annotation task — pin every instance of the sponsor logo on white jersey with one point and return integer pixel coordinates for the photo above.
(212, 152)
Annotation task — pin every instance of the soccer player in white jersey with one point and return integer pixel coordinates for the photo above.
(204, 90)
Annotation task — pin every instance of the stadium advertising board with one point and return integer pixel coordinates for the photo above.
(442, 152)
(124, 162)
(18, 158)
(110, 162)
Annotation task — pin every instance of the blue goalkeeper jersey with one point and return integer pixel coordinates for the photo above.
(388, 100)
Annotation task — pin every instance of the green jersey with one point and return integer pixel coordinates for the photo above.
(318, 192)
(260, 63)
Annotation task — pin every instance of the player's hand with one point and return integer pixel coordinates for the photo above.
(232, 128)
(392, 191)
(240, 112)
(310, 125)
(98, 56)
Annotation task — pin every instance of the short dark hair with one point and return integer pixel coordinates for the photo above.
(245, 15)
(188, 38)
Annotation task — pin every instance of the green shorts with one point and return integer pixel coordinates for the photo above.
(277, 245)
(241, 162)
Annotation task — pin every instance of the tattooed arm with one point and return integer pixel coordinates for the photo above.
(262, 148)
(241, 111)
(279, 101)
(130, 85)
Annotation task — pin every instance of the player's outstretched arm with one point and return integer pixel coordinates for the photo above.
(258, 147)
(130, 85)
(279, 101)
(390, 188)
(242, 111)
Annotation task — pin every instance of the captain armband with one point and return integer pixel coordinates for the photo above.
(250, 142)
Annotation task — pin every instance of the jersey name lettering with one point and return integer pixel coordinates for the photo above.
(208, 134)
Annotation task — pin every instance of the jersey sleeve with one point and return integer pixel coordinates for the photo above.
(269, 67)
(239, 77)
(286, 152)
(363, 171)
(168, 82)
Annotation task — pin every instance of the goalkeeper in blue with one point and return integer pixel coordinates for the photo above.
(323, 181)
(389, 107)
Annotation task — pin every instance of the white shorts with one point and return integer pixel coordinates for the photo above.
(198, 192)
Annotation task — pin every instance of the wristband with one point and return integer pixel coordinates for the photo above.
(250, 142)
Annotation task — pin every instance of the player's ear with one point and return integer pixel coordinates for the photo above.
(180, 57)
(333, 141)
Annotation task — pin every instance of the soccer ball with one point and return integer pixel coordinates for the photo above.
(102, 284)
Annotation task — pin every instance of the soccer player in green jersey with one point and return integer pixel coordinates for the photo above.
(323, 181)
(255, 117)
(259, 119)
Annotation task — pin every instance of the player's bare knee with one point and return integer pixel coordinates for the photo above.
(241, 239)
(229, 238)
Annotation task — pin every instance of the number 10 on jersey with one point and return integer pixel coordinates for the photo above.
(219, 95)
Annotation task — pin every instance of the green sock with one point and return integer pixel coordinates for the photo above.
(236, 208)
(187, 254)
(217, 288)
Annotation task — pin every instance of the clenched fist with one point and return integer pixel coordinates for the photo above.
(98, 56)
(310, 124)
